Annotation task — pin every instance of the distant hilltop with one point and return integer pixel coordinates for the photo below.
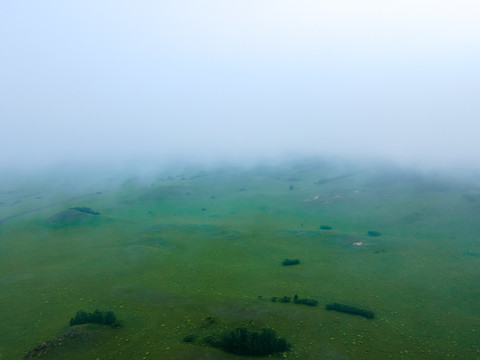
(85, 210)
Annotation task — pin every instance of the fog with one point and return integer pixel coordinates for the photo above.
(106, 81)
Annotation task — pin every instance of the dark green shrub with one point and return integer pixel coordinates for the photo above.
(309, 302)
(97, 317)
(81, 318)
(350, 310)
(288, 262)
(189, 338)
(284, 299)
(325, 227)
(373, 233)
(110, 318)
(245, 342)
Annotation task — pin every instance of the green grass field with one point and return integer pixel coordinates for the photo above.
(169, 252)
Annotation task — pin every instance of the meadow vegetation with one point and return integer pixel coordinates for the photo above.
(190, 257)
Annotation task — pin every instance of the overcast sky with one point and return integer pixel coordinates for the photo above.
(118, 79)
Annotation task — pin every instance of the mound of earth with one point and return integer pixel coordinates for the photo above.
(86, 210)
(71, 336)
(69, 216)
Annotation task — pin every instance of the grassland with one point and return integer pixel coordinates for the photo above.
(197, 251)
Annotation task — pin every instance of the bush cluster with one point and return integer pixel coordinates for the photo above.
(350, 310)
(245, 342)
(296, 300)
(326, 227)
(97, 317)
(288, 262)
